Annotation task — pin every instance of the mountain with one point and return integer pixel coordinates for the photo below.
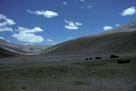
(120, 40)
(6, 53)
(22, 49)
(10, 46)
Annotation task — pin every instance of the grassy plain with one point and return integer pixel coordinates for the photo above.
(79, 75)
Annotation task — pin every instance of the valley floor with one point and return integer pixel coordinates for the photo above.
(67, 75)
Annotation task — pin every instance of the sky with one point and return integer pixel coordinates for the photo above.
(48, 22)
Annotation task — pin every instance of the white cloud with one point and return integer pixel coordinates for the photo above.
(69, 38)
(28, 44)
(47, 14)
(71, 25)
(28, 35)
(3, 29)
(89, 5)
(7, 22)
(64, 3)
(3, 17)
(129, 11)
(4, 39)
(117, 25)
(107, 28)
(1, 37)
(82, 0)
(49, 40)
(26, 30)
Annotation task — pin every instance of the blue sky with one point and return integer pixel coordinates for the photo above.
(49, 22)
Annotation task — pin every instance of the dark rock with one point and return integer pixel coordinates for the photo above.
(23, 87)
(54, 77)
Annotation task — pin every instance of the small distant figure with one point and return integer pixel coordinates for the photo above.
(98, 57)
(86, 59)
(114, 56)
(90, 58)
(61, 70)
(54, 77)
(123, 61)
(23, 87)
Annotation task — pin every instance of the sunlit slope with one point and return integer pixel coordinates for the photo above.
(22, 49)
(121, 42)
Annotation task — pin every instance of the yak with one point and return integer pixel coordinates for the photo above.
(114, 56)
(123, 61)
(98, 57)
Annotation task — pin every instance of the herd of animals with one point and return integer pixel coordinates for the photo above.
(120, 61)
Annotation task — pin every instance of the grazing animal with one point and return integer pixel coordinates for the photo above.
(123, 61)
(61, 70)
(114, 56)
(98, 57)
(23, 87)
(86, 59)
(90, 58)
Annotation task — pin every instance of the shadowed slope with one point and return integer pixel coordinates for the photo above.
(6, 53)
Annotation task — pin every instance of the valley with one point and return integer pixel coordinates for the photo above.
(82, 64)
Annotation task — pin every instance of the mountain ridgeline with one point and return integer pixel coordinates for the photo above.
(120, 40)
(22, 49)
(5, 53)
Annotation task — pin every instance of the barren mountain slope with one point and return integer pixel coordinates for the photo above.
(114, 41)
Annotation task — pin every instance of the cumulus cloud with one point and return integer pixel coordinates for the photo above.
(64, 3)
(129, 11)
(89, 5)
(26, 30)
(49, 40)
(28, 44)
(47, 14)
(69, 38)
(4, 26)
(82, 0)
(1, 37)
(28, 35)
(117, 25)
(3, 29)
(72, 25)
(107, 28)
